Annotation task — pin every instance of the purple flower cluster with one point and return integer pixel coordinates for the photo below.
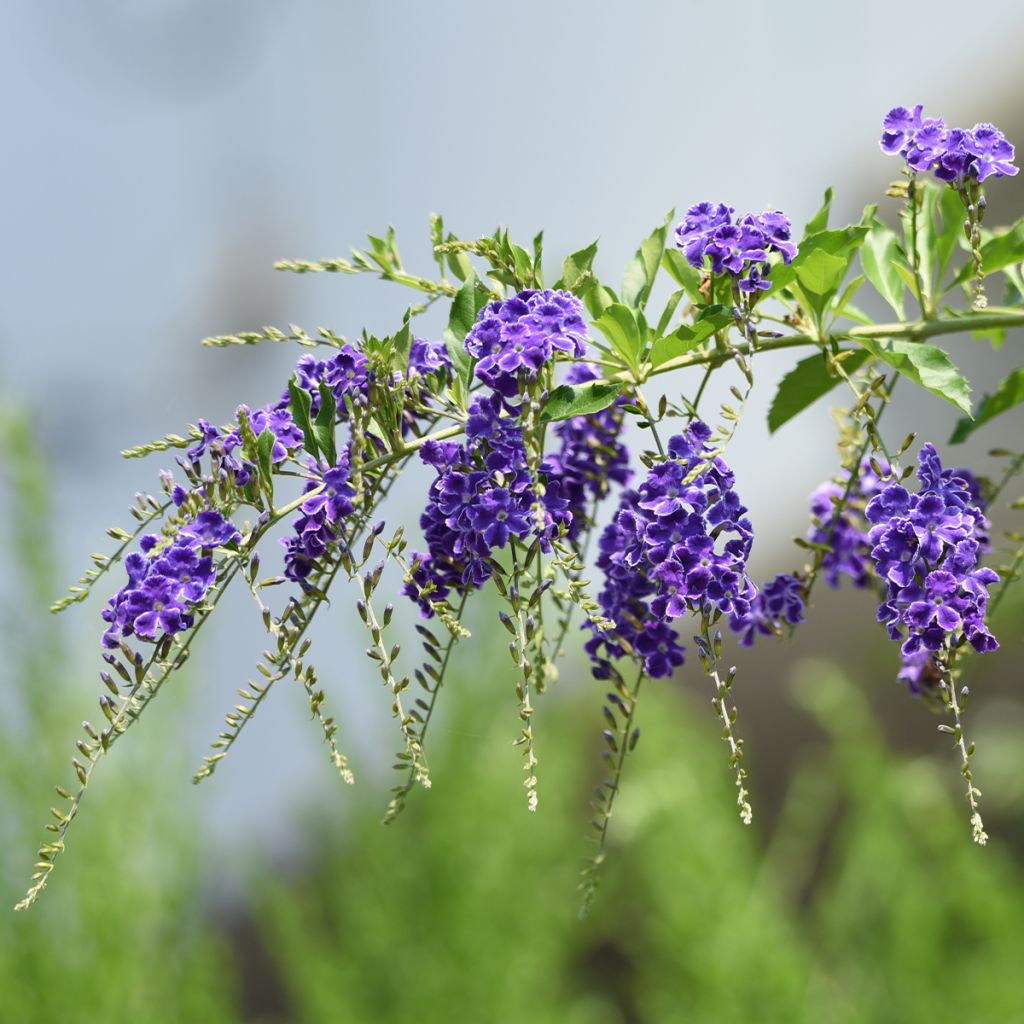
(925, 549)
(590, 456)
(165, 583)
(320, 518)
(844, 533)
(675, 545)
(428, 357)
(513, 339)
(778, 603)
(739, 248)
(483, 497)
(952, 154)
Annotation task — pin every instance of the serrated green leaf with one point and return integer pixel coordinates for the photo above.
(618, 323)
(577, 268)
(689, 336)
(301, 406)
(579, 400)
(808, 381)
(401, 343)
(466, 305)
(820, 276)
(819, 222)
(1008, 394)
(323, 425)
(879, 257)
(926, 365)
(838, 242)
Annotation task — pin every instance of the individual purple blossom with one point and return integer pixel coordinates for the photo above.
(513, 339)
(347, 372)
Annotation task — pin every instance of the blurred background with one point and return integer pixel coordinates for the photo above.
(161, 155)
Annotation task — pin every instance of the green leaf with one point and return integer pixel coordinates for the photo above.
(642, 269)
(927, 238)
(402, 342)
(538, 259)
(323, 425)
(668, 312)
(926, 365)
(265, 456)
(618, 323)
(468, 302)
(687, 277)
(839, 242)
(951, 235)
(689, 336)
(1009, 393)
(999, 251)
(808, 381)
(466, 306)
(820, 220)
(598, 298)
(879, 256)
(849, 292)
(301, 405)
(579, 400)
(820, 276)
(577, 269)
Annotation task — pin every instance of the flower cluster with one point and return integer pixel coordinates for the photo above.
(839, 528)
(678, 543)
(779, 602)
(428, 357)
(320, 517)
(741, 248)
(925, 548)
(951, 154)
(513, 339)
(167, 581)
(482, 497)
(590, 456)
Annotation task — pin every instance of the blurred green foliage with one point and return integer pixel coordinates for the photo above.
(869, 903)
(865, 901)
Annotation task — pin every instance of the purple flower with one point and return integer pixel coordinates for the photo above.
(427, 357)
(953, 154)
(166, 583)
(925, 548)
(513, 339)
(778, 603)
(676, 546)
(347, 372)
(740, 249)
(321, 516)
(482, 498)
(210, 529)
